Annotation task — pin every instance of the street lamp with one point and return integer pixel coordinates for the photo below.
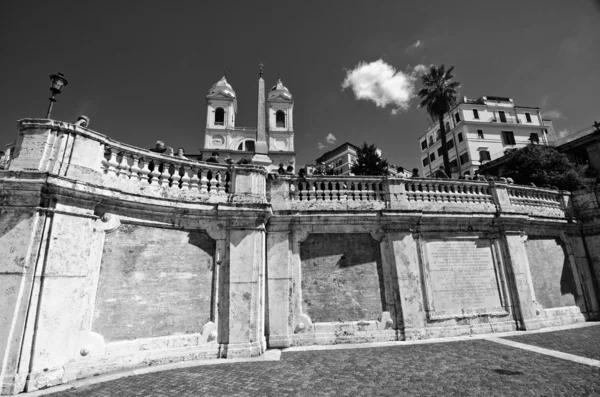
(57, 83)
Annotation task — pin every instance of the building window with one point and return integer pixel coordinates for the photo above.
(425, 161)
(440, 152)
(484, 155)
(460, 137)
(528, 117)
(464, 158)
(534, 137)
(457, 117)
(447, 126)
(280, 119)
(502, 116)
(219, 116)
(480, 134)
(508, 138)
(432, 156)
(476, 114)
(424, 144)
(453, 164)
(430, 140)
(438, 135)
(450, 144)
(247, 145)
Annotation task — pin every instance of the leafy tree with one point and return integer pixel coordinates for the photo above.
(368, 162)
(439, 96)
(544, 166)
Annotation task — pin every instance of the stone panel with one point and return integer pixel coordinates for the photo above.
(551, 273)
(462, 278)
(342, 277)
(154, 282)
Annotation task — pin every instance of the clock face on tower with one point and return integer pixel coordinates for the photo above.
(217, 140)
(280, 143)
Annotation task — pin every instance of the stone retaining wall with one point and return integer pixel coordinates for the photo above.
(114, 257)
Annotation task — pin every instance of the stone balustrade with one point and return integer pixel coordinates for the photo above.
(447, 190)
(377, 193)
(137, 165)
(73, 152)
(340, 188)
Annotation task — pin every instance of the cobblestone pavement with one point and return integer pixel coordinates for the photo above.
(465, 368)
(584, 342)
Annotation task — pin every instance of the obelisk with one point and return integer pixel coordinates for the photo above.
(261, 148)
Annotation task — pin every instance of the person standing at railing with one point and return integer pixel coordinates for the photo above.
(440, 173)
(214, 158)
(181, 154)
(415, 173)
(159, 148)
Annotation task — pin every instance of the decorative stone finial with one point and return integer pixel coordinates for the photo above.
(261, 71)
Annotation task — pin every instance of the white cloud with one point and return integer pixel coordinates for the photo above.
(417, 44)
(331, 138)
(420, 69)
(394, 112)
(321, 146)
(553, 114)
(563, 133)
(382, 84)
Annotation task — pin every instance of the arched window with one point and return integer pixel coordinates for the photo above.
(280, 119)
(247, 145)
(447, 126)
(219, 116)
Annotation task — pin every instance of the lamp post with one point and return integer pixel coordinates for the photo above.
(57, 83)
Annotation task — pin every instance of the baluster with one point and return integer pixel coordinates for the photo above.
(300, 192)
(203, 182)
(221, 188)
(124, 166)
(145, 171)
(112, 166)
(372, 192)
(155, 174)
(343, 191)
(185, 178)
(135, 169)
(228, 182)
(175, 177)
(163, 179)
(194, 180)
(327, 191)
(212, 182)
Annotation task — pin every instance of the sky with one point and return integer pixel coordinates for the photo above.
(141, 70)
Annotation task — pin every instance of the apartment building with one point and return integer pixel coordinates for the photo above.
(482, 130)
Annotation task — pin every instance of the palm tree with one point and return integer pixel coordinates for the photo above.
(438, 97)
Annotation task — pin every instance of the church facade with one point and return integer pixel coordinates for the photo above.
(236, 142)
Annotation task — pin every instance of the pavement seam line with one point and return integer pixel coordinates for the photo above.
(547, 352)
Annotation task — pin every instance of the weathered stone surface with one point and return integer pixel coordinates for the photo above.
(154, 282)
(461, 275)
(551, 272)
(342, 278)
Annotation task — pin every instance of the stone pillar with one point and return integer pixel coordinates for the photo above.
(261, 148)
(404, 257)
(501, 198)
(20, 238)
(243, 324)
(395, 193)
(60, 305)
(526, 309)
(279, 283)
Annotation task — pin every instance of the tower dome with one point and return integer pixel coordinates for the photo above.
(279, 90)
(222, 87)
